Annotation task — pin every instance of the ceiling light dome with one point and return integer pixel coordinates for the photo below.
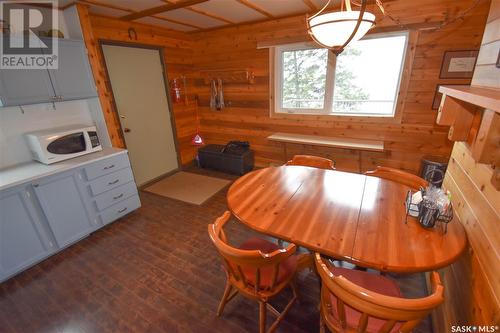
(335, 30)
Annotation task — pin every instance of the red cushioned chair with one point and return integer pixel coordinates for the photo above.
(312, 161)
(357, 301)
(258, 269)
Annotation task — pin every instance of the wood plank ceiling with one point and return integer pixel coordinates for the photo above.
(197, 15)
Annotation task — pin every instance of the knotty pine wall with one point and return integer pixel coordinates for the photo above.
(177, 50)
(472, 294)
(406, 143)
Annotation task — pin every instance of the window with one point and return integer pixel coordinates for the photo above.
(363, 80)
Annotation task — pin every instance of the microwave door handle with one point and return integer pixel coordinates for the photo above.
(88, 144)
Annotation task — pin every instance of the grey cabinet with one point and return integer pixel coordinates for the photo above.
(72, 80)
(63, 206)
(24, 86)
(23, 238)
(39, 218)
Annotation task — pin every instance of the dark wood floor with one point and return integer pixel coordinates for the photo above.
(153, 271)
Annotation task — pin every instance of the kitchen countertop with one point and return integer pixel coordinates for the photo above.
(29, 171)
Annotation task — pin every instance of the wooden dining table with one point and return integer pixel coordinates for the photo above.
(352, 217)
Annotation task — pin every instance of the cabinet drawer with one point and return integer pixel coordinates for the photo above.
(118, 194)
(108, 182)
(106, 166)
(120, 209)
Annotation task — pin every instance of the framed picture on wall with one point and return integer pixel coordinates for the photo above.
(437, 95)
(458, 64)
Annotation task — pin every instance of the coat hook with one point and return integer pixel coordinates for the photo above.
(21, 108)
(130, 32)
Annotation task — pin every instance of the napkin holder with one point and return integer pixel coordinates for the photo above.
(415, 210)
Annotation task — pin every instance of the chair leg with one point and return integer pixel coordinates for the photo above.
(262, 317)
(223, 301)
(295, 290)
(321, 324)
(283, 313)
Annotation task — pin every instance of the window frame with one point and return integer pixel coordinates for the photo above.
(275, 83)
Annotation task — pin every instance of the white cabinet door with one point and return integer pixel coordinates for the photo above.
(63, 206)
(23, 240)
(73, 79)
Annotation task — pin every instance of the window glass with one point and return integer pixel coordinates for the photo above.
(367, 76)
(362, 80)
(304, 78)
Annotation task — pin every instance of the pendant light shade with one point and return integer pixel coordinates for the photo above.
(334, 29)
(197, 140)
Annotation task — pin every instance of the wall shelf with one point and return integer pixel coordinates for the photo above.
(487, 98)
(228, 75)
(473, 114)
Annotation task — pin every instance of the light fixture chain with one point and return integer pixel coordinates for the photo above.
(446, 22)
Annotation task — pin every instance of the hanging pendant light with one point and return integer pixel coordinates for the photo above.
(335, 30)
(197, 140)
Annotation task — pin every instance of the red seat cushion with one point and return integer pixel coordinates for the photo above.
(373, 282)
(286, 268)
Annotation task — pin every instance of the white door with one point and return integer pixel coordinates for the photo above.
(138, 84)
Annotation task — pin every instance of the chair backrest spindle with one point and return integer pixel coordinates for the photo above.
(276, 271)
(363, 323)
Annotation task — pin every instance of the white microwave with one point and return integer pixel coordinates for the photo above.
(58, 144)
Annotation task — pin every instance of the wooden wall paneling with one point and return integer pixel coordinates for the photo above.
(110, 116)
(247, 116)
(177, 51)
(185, 121)
(477, 204)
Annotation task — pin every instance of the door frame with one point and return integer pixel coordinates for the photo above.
(109, 87)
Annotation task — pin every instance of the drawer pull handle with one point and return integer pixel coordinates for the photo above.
(122, 210)
(113, 182)
(109, 167)
(118, 197)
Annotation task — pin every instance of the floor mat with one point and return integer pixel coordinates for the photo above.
(188, 187)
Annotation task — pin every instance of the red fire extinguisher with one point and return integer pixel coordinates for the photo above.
(175, 91)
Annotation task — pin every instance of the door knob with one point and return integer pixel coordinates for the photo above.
(127, 130)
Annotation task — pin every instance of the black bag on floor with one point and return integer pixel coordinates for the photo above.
(235, 157)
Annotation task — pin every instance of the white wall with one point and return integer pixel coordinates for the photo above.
(14, 123)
